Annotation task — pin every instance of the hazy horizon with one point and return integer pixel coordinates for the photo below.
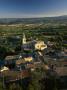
(33, 17)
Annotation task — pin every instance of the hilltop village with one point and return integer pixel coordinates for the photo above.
(36, 63)
(33, 56)
(33, 44)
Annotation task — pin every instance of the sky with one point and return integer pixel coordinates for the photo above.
(32, 8)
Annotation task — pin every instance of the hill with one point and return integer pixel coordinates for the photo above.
(58, 19)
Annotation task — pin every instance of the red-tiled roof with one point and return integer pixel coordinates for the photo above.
(15, 75)
(61, 71)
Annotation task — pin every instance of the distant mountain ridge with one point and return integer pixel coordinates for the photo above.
(33, 20)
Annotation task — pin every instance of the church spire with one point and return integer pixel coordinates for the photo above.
(24, 39)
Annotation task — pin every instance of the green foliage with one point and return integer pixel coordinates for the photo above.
(1, 85)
